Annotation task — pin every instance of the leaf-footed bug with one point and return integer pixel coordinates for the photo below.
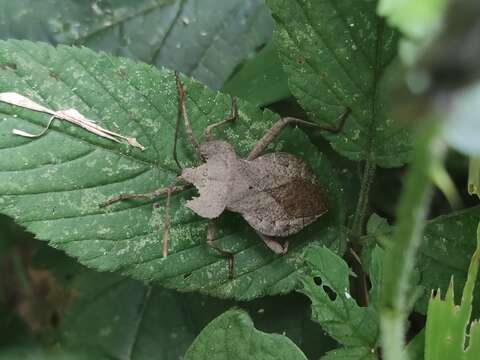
(275, 193)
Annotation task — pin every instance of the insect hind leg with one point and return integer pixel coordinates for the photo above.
(226, 254)
(274, 245)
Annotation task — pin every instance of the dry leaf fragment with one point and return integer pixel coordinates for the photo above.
(70, 115)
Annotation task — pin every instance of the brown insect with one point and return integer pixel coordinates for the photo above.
(275, 193)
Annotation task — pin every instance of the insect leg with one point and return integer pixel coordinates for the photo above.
(188, 128)
(275, 130)
(226, 254)
(150, 195)
(166, 223)
(274, 245)
(207, 134)
(339, 123)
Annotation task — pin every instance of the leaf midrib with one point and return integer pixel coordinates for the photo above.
(330, 50)
(157, 51)
(121, 20)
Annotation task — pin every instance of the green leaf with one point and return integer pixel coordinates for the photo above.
(36, 352)
(54, 185)
(377, 228)
(206, 42)
(377, 225)
(261, 80)
(339, 54)
(447, 245)
(332, 305)
(350, 353)
(123, 318)
(233, 336)
(445, 334)
(415, 349)
(170, 320)
(376, 275)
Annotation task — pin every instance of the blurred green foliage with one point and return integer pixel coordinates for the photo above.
(324, 56)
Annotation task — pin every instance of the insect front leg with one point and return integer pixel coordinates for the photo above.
(207, 134)
(149, 195)
(168, 191)
(275, 130)
(226, 254)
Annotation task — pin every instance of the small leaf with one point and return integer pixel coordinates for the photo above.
(178, 34)
(447, 245)
(332, 305)
(339, 54)
(445, 334)
(377, 226)
(376, 275)
(233, 336)
(53, 185)
(415, 349)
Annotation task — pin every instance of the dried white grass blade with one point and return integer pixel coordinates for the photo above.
(30, 135)
(22, 101)
(23, 133)
(71, 115)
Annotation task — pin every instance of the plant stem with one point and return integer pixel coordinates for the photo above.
(407, 235)
(357, 231)
(361, 210)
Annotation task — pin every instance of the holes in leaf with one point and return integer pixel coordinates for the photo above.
(332, 295)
